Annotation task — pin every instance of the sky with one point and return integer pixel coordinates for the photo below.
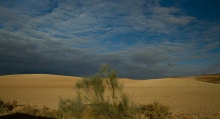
(141, 39)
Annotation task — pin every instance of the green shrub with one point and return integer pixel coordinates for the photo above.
(71, 108)
(100, 96)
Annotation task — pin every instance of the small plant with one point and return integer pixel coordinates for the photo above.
(100, 96)
(27, 109)
(43, 112)
(7, 106)
(211, 78)
(156, 111)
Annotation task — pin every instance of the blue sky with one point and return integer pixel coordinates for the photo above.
(141, 39)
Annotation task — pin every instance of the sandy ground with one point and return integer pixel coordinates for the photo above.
(183, 95)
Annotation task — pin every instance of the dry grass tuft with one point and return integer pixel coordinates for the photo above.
(7, 106)
(156, 111)
(44, 111)
(211, 78)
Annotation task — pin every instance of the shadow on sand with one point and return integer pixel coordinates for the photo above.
(22, 116)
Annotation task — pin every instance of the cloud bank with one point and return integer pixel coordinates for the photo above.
(141, 39)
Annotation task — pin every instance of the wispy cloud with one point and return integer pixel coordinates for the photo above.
(141, 39)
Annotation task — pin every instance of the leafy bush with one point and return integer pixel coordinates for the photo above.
(100, 96)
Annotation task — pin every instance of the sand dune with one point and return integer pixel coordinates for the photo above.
(183, 95)
(37, 89)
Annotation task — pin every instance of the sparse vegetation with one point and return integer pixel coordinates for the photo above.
(196, 116)
(7, 106)
(98, 97)
(44, 111)
(156, 111)
(211, 78)
(102, 97)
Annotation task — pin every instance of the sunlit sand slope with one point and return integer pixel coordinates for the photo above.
(183, 95)
(36, 89)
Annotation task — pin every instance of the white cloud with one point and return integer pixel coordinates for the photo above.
(165, 19)
(158, 10)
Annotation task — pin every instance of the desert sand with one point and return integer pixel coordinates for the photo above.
(183, 95)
